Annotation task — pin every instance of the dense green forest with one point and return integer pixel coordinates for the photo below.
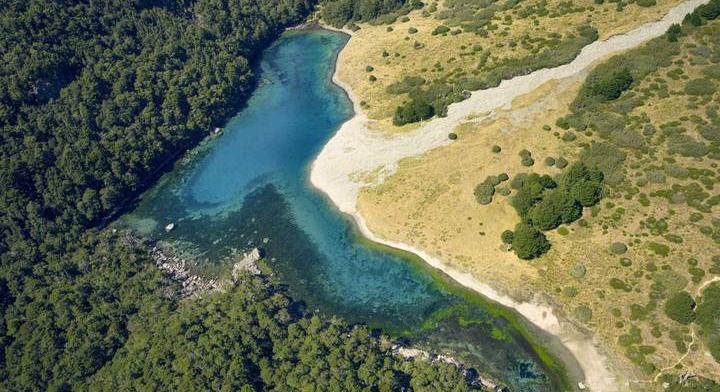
(97, 98)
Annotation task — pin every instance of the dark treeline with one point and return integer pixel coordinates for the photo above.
(96, 98)
(338, 13)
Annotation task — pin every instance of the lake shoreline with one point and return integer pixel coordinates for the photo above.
(574, 341)
(598, 370)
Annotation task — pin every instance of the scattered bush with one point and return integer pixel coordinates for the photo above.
(561, 163)
(700, 86)
(484, 191)
(680, 307)
(578, 271)
(496, 149)
(646, 3)
(528, 242)
(550, 161)
(440, 30)
(583, 313)
(369, 68)
(412, 30)
(372, 78)
(618, 284)
(452, 136)
(686, 146)
(507, 237)
(617, 248)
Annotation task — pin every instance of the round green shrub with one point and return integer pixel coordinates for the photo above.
(618, 248)
(550, 161)
(440, 30)
(578, 271)
(507, 237)
(680, 307)
(583, 313)
(569, 136)
(452, 136)
(484, 192)
(372, 78)
(528, 242)
(503, 177)
(412, 30)
(527, 161)
(496, 149)
(561, 163)
(570, 292)
(369, 68)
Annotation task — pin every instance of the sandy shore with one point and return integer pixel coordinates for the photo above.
(354, 152)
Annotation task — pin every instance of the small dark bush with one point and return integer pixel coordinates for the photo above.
(549, 161)
(507, 237)
(618, 248)
(452, 136)
(496, 149)
(561, 163)
(412, 30)
(440, 30)
(369, 68)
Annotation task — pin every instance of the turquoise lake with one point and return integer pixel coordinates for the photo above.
(249, 188)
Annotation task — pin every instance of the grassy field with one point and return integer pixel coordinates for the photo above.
(449, 48)
(656, 233)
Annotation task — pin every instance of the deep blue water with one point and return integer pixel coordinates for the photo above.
(249, 187)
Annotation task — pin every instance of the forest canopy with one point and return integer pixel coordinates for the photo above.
(97, 98)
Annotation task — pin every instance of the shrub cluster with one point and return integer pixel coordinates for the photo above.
(544, 203)
(526, 158)
(485, 190)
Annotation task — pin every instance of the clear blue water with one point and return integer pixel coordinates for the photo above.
(249, 187)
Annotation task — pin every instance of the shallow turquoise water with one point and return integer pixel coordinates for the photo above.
(249, 187)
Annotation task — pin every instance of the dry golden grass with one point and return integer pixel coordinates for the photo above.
(429, 204)
(456, 51)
